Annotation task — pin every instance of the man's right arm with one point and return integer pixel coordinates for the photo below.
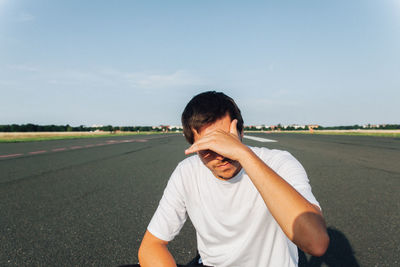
(153, 252)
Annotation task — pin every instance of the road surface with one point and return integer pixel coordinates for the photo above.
(88, 201)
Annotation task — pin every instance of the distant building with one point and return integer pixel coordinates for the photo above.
(313, 126)
(176, 127)
(296, 126)
(164, 128)
(97, 126)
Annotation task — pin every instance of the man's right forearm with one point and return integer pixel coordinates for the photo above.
(154, 254)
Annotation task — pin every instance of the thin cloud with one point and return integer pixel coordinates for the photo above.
(150, 80)
(25, 17)
(107, 78)
(24, 67)
(153, 80)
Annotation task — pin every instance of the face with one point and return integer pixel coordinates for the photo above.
(222, 168)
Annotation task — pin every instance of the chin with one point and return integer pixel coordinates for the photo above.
(226, 175)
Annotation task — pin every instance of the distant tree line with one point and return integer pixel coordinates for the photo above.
(276, 128)
(361, 127)
(109, 128)
(306, 127)
(67, 128)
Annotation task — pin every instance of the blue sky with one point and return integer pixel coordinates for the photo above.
(139, 62)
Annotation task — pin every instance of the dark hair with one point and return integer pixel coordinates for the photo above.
(206, 108)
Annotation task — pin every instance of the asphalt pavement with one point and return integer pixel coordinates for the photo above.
(86, 202)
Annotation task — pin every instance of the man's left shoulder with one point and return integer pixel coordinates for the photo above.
(271, 154)
(279, 160)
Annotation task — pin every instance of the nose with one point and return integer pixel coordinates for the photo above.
(215, 155)
(210, 155)
(219, 157)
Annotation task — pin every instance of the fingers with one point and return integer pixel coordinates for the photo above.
(233, 128)
(217, 140)
(190, 150)
(197, 146)
(203, 143)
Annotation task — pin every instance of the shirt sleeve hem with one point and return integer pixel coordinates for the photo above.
(159, 235)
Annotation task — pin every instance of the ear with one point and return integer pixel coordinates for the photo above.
(195, 134)
(233, 128)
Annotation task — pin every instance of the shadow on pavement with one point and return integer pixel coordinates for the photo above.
(192, 263)
(339, 253)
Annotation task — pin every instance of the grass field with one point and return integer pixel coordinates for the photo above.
(41, 136)
(381, 133)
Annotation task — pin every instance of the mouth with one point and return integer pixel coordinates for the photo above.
(224, 164)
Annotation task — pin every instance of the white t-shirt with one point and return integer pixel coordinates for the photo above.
(234, 226)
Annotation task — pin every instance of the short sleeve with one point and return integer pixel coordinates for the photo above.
(171, 214)
(290, 169)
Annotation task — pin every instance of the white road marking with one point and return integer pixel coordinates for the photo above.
(59, 149)
(9, 156)
(109, 142)
(37, 152)
(259, 139)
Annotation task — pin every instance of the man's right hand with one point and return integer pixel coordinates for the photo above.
(153, 252)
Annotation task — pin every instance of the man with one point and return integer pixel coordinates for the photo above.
(249, 206)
